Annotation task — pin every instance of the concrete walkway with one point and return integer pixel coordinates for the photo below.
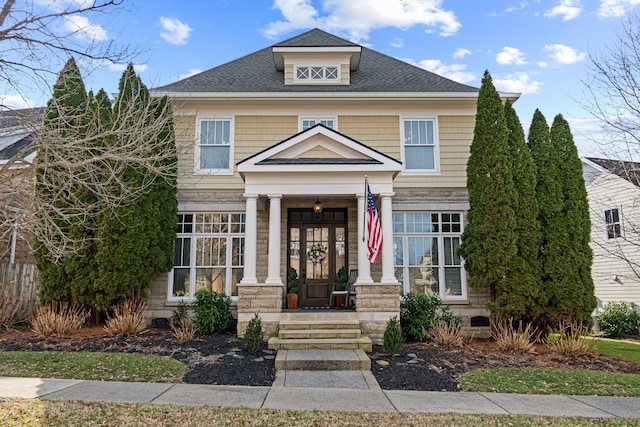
(319, 390)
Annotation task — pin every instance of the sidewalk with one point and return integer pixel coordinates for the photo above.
(287, 394)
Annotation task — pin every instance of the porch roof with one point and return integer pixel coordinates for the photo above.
(318, 161)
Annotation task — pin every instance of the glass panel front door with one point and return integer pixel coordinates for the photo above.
(317, 249)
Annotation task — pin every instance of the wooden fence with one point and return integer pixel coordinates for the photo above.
(21, 281)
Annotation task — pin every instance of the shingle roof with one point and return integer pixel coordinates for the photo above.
(256, 73)
(17, 131)
(624, 169)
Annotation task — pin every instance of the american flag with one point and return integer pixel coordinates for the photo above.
(374, 232)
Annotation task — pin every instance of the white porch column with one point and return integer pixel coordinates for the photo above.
(386, 210)
(273, 276)
(250, 239)
(364, 267)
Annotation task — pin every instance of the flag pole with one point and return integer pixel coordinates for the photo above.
(364, 217)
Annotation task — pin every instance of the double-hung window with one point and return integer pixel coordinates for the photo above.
(612, 219)
(209, 254)
(425, 251)
(419, 146)
(213, 147)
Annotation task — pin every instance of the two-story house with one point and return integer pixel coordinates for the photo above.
(613, 189)
(274, 149)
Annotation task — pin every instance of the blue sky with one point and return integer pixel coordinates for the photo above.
(539, 48)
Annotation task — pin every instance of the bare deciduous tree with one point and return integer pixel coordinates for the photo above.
(37, 37)
(612, 93)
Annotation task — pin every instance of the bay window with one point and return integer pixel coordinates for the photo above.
(425, 251)
(209, 254)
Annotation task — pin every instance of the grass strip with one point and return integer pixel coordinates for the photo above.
(551, 381)
(19, 412)
(91, 366)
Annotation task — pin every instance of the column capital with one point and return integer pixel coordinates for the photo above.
(389, 194)
(251, 195)
(274, 196)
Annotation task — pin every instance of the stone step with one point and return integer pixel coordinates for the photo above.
(319, 333)
(362, 343)
(319, 324)
(323, 360)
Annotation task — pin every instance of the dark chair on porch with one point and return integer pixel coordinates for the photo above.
(349, 292)
(351, 289)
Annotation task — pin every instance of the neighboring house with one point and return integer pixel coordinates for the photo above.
(264, 138)
(17, 133)
(613, 188)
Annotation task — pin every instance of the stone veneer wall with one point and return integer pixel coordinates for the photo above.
(375, 304)
(263, 299)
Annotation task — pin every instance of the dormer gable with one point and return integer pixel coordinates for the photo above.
(316, 58)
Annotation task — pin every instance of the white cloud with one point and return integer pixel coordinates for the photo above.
(174, 31)
(562, 54)
(519, 82)
(138, 68)
(615, 8)
(84, 29)
(520, 6)
(191, 72)
(510, 55)
(568, 9)
(454, 72)
(15, 102)
(357, 19)
(397, 43)
(461, 53)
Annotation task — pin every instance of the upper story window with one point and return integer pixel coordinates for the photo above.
(308, 122)
(321, 73)
(213, 146)
(612, 219)
(419, 146)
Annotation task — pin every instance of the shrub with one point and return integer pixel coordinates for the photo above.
(252, 339)
(12, 309)
(419, 312)
(448, 334)
(212, 311)
(184, 329)
(618, 319)
(571, 339)
(511, 339)
(128, 319)
(392, 339)
(179, 314)
(58, 318)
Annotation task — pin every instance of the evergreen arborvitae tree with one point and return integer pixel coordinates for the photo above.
(549, 197)
(525, 299)
(138, 243)
(81, 267)
(573, 290)
(489, 242)
(64, 124)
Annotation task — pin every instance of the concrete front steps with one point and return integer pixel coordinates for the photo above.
(306, 332)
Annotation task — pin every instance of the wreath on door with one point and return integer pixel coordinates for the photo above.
(317, 253)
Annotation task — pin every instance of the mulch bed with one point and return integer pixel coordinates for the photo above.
(219, 358)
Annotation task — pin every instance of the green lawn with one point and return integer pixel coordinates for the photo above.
(34, 412)
(551, 381)
(91, 366)
(620, 348)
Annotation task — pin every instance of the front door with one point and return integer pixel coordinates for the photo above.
(317, 250)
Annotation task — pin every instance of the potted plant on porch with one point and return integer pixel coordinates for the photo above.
(292, 289)
(341, 287)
